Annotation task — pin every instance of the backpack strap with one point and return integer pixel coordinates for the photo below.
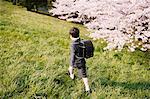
(83, 47)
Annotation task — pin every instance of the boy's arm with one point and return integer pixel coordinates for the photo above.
(72, 55)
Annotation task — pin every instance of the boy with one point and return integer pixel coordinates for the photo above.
(76, 59)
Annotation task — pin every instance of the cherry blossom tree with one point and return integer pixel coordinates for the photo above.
(120, 22)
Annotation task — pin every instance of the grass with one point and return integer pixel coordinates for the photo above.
(34, 57)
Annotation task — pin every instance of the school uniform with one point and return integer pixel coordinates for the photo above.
(76, 57)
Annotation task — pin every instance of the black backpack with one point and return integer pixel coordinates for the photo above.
(88, 48)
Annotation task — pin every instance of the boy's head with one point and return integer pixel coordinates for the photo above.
(74, 32)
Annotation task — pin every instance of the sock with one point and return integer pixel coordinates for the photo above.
(71, 72)
(85, 80)
(72, 76)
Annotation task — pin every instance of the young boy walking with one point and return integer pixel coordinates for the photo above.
(76, 58)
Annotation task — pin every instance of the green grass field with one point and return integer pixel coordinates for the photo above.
(34, 58)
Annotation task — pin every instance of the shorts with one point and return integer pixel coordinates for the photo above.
(82, 72)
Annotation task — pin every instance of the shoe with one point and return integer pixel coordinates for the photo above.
(88, 92)
(71, 76)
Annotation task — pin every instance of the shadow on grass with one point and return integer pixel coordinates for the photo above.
(125, 85)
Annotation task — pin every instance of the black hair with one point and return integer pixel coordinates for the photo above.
(74, 32)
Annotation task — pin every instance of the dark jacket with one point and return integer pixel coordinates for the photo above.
(76, 58)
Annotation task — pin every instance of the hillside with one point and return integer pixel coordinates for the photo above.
(34, 58)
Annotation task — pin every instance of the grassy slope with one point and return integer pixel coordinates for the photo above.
(34, 57)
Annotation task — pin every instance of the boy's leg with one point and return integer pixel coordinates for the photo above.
(85, 80)
(70, 69)
(83, 74)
